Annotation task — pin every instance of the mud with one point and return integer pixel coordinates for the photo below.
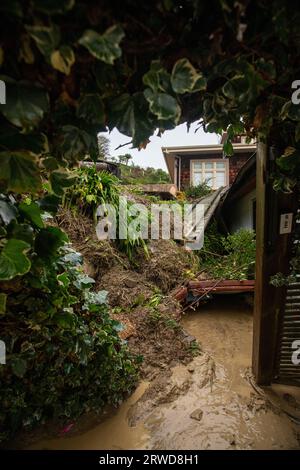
(207, 404)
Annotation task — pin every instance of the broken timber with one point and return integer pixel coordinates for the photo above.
(201, 288)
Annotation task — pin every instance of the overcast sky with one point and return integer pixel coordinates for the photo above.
(152, 155)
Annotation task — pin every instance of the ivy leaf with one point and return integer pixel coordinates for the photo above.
(19, 172)
(65, 320)
(34, 143)
(266, 68)
(62, 59)
(53, 7)
(63, 279)
(48, 240)
(164, 106)
(200, 84)
(18, 366)
(76, 142)
(290, 161)
(49, 203)
(25, 104)
(291, 111)
(184, 77)
(95, 298)
(13, 259)
(23, 232)
(130, 114)
(46, 38)
(233, 88)
(3, 298)
(104, 47)
(60, 180)
(8, 212)
(91, 109)
(32, 212)
(83, 281)
(157, 78)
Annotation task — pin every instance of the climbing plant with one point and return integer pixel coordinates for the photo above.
(73, 68)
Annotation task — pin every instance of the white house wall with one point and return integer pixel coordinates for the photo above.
(241, 213)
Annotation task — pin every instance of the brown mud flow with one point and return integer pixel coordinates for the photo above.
(207, 404)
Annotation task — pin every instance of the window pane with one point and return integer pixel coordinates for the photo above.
(209, 178)
(220, 165)
(197, 165)
(197, 178)
(220, 179)
(209, 165)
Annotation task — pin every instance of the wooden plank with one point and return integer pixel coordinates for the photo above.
(223, 288)
(272, 256)
(211, 283)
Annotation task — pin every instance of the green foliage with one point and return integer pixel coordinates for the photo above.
(104, 47)
(93, 188)
(90, 78)
(63, 353)
(231, 257)
(198, 191)
(64, 356)
(136, 175)
(74, 69)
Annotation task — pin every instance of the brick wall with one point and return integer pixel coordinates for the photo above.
(235, 164)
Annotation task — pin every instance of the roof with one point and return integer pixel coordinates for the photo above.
(245, 174)
(191, 150)
(211, 203)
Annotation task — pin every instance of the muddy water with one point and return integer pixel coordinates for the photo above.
(208, 404)
(114, 433)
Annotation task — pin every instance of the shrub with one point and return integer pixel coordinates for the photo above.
(93, 188)
(198, 191)
(64, 356)
(231, 257)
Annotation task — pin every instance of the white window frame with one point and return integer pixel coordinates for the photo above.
(214, 170)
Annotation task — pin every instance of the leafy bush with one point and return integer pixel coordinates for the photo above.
(93, 188)
(64, 355)
(231, 257)
(134, 174)
(198, 191)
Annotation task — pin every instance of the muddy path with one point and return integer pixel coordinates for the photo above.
(207, 404)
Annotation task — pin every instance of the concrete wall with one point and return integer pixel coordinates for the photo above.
(241, 215)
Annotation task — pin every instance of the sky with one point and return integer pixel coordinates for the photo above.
(152, 155)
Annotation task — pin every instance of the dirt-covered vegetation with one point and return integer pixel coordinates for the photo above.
(139, 288)
(230, 256)
(72, 69)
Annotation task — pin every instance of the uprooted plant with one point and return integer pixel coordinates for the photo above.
(94, 188)
(228, 257)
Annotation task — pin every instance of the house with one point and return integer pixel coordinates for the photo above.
(193, 165)
(238, 207)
